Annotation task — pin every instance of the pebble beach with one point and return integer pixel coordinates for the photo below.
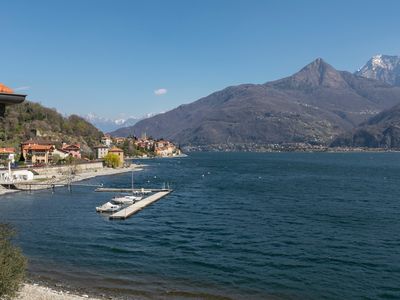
(37, 292)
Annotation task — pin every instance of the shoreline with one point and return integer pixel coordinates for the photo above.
(42, 291)
(39, 287)
(61, 179)
(286, 149)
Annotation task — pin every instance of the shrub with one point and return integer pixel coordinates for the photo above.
(112, 160)
(12, 264)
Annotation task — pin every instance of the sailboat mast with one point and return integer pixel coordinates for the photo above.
(132, 183)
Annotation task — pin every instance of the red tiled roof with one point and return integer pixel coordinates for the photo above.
(39, 147)
(115, 149)
(37, 142)
(72, 147)
(7, 150)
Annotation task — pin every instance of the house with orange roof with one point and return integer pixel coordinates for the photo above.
(119, 152)
(119, 140)
(73, 150)
(7, 154)
(165, 148)
(37, 152)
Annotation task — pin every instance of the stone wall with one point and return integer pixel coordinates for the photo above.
(65, 170)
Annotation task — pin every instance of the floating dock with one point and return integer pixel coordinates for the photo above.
(137, 206)
(122, 190)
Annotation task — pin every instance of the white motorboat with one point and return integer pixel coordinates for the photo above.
(108, 207)
(130, 199)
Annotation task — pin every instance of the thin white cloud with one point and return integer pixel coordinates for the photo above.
(160, 92)
(22, 88)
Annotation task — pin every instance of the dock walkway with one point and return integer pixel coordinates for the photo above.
(123, 190)
(137, 206)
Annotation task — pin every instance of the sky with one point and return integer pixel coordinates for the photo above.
(129, 58)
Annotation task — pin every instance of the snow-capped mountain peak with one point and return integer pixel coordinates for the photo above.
(122, 121)
(377, 61)
(111, 124)
(385, 68)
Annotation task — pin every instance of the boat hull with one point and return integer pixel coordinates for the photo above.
(108, 208)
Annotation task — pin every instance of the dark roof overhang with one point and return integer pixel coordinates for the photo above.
(9, 99)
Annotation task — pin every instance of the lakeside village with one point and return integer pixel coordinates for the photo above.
(45, 163)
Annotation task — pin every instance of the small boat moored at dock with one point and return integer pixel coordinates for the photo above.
(129, 199)
(108, 207)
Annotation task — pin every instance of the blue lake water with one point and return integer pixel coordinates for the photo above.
(255, 226)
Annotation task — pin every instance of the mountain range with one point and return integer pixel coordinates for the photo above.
(314, 105)
(111, 124)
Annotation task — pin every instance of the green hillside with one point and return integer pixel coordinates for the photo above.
(33, 120)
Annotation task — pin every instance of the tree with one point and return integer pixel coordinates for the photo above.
(112, 160)
(12, 264)
(126, 147)
(70, 160)
(56, 159)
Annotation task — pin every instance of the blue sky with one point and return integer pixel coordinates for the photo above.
(109, 57)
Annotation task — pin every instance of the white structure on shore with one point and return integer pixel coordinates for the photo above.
(10, 177)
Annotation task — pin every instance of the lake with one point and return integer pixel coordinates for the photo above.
(238, 225)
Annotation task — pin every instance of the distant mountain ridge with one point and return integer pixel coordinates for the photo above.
(381, 131)
(385, 68)
(112, 124)
(313, 106)
(109, 124)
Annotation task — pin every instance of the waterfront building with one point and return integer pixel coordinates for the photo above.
(145, 144)
(61, 153)
(119, 140)
(37, 152)
(106, 140)
(7, 154)
(73, 150)
(101, 151)
(118, 152)
(165, 148)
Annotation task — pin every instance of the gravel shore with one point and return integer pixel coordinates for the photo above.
(36, 292)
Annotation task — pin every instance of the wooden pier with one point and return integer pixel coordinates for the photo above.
(30, 186)
(137, 206)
